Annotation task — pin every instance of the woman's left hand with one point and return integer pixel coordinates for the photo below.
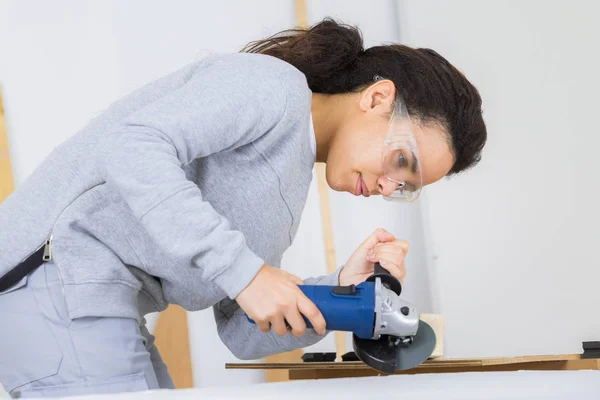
(380, 247)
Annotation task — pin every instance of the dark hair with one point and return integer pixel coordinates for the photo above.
(332, 57)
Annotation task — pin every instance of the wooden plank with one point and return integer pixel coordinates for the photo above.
(353, 369)
(301, 14)
(439, 363)
(6, 176)
(340, 337)
(326, 219)
(338, 365)
(173, 342)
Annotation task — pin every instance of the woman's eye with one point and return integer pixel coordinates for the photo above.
(402, 161)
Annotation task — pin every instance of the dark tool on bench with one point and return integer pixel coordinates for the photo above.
(387, 333)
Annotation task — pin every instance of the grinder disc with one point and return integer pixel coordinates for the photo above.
(416, 353)
(383, 356)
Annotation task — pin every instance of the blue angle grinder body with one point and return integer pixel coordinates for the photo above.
(387, 332)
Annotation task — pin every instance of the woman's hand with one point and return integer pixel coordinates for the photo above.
(273, 297)
(380, 247)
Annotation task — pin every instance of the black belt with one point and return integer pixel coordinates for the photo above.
(19, 272)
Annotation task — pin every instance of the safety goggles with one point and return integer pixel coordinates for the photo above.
(401, 161)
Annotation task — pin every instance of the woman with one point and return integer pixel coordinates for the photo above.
(189, 190)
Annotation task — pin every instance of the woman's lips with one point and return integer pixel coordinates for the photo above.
(358, 187)
(365, 189)
(361, 187)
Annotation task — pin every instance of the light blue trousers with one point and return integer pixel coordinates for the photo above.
(43, 353)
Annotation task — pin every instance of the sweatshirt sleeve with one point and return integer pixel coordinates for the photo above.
(223, 105)
(247, 342)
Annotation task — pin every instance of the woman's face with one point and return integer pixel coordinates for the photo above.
(355, 157)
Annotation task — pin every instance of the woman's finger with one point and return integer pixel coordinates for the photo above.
(397, 271)
(278, 325)
(297, 325)
(396, 258)
(380, 235)
(295, 279)
(264, 326)
(312, 313)
(402, 244)
(396, 246)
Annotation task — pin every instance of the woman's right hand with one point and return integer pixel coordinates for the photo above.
(273, 297)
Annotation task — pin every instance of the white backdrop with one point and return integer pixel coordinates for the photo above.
(507, 248)
(514, 256)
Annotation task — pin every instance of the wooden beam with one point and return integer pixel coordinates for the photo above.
(340, 337)
(301, 14)
(173, 343)
(6, 177)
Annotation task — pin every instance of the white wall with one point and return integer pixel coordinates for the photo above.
(515, 258)
(63, 62)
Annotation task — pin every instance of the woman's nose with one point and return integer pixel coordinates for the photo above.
(386, 187)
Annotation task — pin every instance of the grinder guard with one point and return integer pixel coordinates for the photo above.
(413, 341)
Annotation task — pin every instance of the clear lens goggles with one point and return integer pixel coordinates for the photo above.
(401, 162)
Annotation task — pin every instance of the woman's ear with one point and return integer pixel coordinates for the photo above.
(378, 96)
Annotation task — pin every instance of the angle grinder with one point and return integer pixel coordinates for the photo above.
(386, 330)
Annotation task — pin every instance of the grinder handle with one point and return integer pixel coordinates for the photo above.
(388, 280)
(380, 270)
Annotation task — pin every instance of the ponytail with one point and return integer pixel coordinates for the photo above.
(327, 53)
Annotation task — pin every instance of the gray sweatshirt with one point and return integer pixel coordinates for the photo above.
(177, 193)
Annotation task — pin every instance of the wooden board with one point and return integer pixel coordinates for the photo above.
(301, 13)
(328, 370)
(6, 177)
(431, 363)
(340, 337)
(173, 342)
